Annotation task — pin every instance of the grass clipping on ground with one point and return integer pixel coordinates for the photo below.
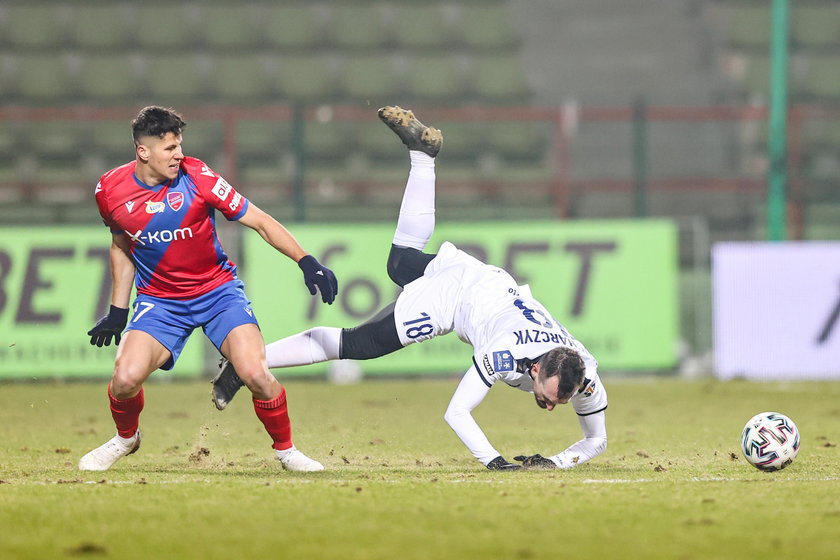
(399, 484)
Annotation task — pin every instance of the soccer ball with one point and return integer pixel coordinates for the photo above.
(770, 441)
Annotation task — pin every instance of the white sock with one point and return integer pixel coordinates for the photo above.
(417, 211)
(316, 345)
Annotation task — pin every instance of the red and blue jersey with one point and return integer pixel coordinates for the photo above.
(171, 227)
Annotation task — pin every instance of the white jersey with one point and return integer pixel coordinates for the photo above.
(507, 327)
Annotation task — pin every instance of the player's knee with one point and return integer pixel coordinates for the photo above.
(127, 380)
(256, 377)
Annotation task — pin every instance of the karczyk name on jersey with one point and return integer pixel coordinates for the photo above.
(535, 335)
(161, 236)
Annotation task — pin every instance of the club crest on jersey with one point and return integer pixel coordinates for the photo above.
(175, 200)
(129, 206)
(503, 361)
(154, 207)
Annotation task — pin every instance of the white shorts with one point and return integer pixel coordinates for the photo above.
(427, 306)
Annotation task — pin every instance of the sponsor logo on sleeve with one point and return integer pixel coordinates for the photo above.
(175, 200)
(154, 207)
(206, 171)
(487, 367)
(222, 189)
(503, 361)
(234, 203)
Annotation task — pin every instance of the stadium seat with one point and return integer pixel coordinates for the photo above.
(822, 79)
(521, 140)
(358, 26)
(109, 78)
(171, 79)
(56, 138)
(486, 27)
(44, 78)
(434, 79)
(422, 28)
(237, 78)
(203, 139)
(463, 140)
(267, 137)
(175, 26)
(498, 79)
(746, 26)
(101, 26)
(821, 135)
(326, 140)
(816, 26)
(304, 77)
(229, 26)
(372, 78)
(34, 26)
(297, 26)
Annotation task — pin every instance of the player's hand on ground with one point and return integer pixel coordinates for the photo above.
(535, 462)
(108, 327)
(501, 464)
(316, 274)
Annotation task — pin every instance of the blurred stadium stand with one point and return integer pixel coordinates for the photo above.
(536, 99)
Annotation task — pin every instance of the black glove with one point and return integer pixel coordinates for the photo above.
(501, 464)
(535, 462)
(315, 274)
(111, 325)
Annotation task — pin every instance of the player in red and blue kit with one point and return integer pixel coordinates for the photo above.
(161, 211)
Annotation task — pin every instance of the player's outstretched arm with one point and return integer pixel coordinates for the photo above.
(469, 394)
(314, 273)
(593, 444)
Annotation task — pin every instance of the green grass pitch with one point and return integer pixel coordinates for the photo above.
(672, 483)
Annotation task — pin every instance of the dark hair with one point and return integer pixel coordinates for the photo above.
(156, 121)
(566, 363)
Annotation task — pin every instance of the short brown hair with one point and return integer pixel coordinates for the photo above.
(566, 363)
(156, 121)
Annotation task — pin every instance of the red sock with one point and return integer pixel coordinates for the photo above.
(274, 415)
(126, 413)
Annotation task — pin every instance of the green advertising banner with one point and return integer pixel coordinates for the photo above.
(54, 285)
(611, 283)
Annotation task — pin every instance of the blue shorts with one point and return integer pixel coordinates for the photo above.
(171, 321)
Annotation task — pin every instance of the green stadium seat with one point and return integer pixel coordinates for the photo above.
(434, 79)
(33, 26)
(326, 140)
(746, 26)
(100, 26)
(755, 78)
(226, 26)
(822, 79)
(269, 171)
(816, 26)
(821, 135)
(203, 139)
(304, 77)
(486, 27)
(109, 78)
(113, 138)
(498, 79)
(62, 138)
(462, 140)
(174, 78)
(518, 140)
(292, 26)
(377, 141)
(236, 78)
(43, 78)
(173, 28)
(358, 26)
(372, 78)
(259, 138)
(422, 28)
(56, 174)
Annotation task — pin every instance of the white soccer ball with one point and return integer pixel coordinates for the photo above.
(770, 441)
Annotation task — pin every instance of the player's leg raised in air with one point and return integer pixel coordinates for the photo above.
(406, 262)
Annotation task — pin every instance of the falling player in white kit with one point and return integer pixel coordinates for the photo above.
(515, 340)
